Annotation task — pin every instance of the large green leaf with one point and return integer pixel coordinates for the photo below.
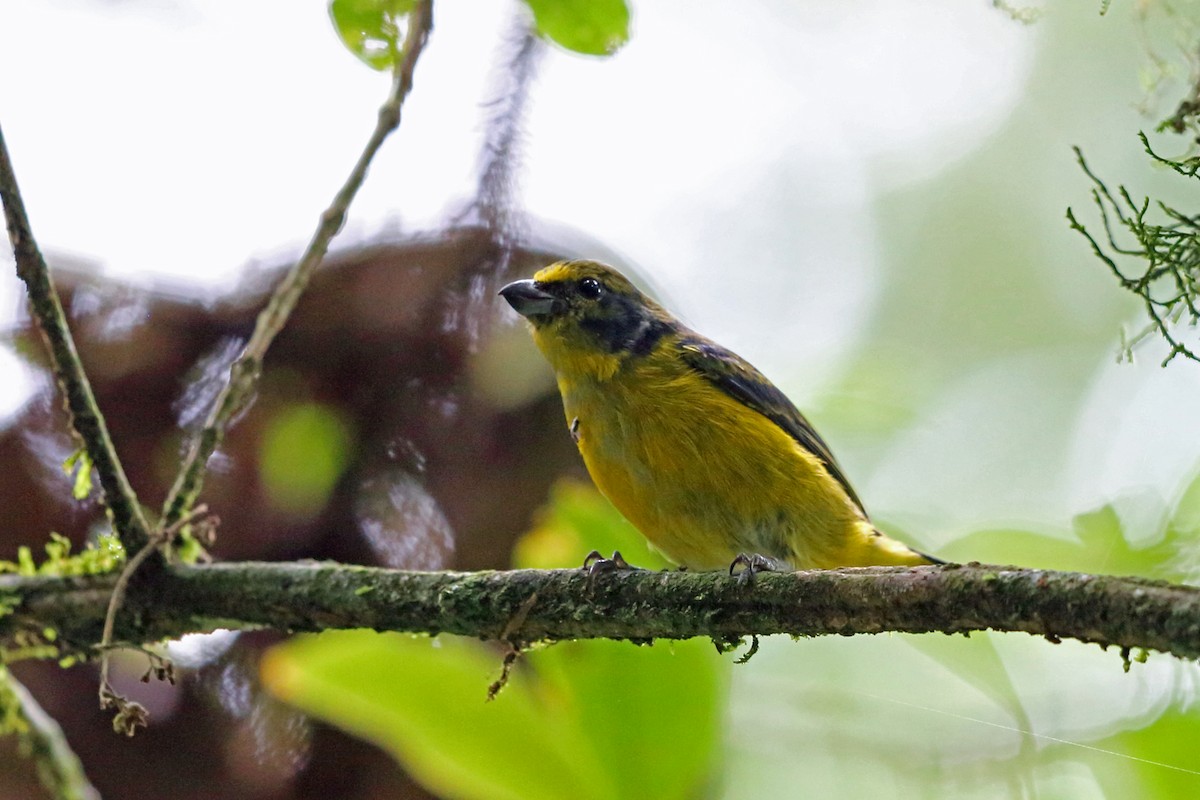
(423, 701)
(652, 713)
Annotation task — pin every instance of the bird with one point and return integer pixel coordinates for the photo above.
(706, 457)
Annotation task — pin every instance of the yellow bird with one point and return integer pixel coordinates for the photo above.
(704, 455)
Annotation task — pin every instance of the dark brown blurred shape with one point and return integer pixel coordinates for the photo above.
(453, 433)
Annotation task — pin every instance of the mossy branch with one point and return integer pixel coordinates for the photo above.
(1128, 613)
(88, 422)
(244, 372)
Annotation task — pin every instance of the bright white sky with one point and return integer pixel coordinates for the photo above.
(180, 140)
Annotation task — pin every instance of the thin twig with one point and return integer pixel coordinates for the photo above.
(515, 645)
(244, 372)
(88, 422)
(511, 656)
(1170, 254)
(59, 769)
(131, 715)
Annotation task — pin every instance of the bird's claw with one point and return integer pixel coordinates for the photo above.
(594, 563)
(751, 564)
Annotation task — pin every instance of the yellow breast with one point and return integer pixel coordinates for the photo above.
(701, 475)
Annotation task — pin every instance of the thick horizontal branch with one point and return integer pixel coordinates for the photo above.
(537, 605)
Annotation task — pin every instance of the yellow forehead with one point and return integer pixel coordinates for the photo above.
(563, 271)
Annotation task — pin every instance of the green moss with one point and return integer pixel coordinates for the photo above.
(79, 463)
(104, 555)
(11, 719)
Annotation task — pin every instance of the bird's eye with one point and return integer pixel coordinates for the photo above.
(591, 288)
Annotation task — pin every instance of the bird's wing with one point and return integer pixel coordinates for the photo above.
(737, 378)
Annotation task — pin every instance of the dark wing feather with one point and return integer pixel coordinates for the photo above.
(737, 378)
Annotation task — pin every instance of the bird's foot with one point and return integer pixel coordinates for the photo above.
(750, 565)
(594, 563)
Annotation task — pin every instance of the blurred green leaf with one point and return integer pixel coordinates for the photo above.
(588, 719)
(592, 27)
(305, 447)
(1157, 760)
(577, 521)
(11, 719)
(1100, 545)
(370, 28)
(1186, 517)
(423, 701)
(877, 397)
(652, 713)
(976, 662)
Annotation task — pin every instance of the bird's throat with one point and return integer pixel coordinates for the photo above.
(574, 363)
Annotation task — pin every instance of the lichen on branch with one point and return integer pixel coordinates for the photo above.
(1128, 613)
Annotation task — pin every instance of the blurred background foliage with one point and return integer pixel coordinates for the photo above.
(865, 199)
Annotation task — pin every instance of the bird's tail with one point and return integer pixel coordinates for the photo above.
(928, 558)
(874, 548)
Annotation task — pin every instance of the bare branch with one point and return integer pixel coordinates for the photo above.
(1169, 254)
(85, 415)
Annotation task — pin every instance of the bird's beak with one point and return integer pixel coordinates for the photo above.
(528, 300)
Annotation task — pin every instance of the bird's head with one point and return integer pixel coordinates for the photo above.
(587, 318)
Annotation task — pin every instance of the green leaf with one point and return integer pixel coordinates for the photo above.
(80, 463)
(371, 28)
(657, 704)
(577, 521)
(424, 702)
(12, 720)
(976, 662)
(1159, 758)
(25, 563)
(1099, 545)
(593, 719)
(592, 27)
(1186, 516)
